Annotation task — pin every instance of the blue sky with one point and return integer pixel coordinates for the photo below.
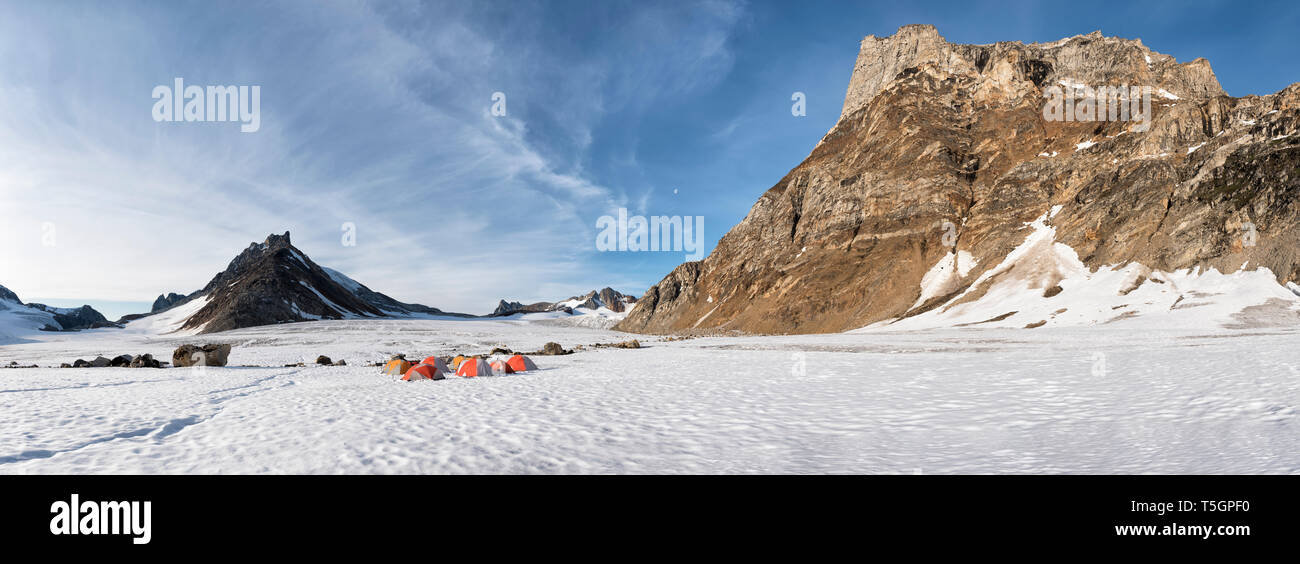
(378, 114)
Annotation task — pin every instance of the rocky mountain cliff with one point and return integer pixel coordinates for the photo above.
(608, 298)
(274, 282)
(943, 157)
(167, 301)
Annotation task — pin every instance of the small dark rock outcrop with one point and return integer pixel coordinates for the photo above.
(167, 301)
(552, 349)
(121, 360)
(145, 361)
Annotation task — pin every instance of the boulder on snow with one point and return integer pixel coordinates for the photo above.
(121, 360)
(340, 362)
(100, 362)
(552, 349)
(324, 360)
(145, 361)
(81, 363)
(206, 355)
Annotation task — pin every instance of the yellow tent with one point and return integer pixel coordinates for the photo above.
(397, 367)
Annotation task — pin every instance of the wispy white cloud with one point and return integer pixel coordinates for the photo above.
(375, 114)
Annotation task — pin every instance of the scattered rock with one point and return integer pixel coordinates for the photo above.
(100, 362)
(145, 361)
(341, 362)
(65, 365)
(121, 360)
(501, 350)
(632, 344)
(207, 355)
(81, 363)
(552, 349)
(324, 360)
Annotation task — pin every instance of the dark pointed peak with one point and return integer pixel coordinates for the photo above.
(276, 241)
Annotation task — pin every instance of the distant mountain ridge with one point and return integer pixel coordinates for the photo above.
(607, 298)
(17, 317)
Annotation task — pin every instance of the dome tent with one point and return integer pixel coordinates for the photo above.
(438, 363)
(397, 367)
(423, 372)
(472, 367)
(521, 363)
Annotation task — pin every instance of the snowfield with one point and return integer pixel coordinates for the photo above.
(1099, 399)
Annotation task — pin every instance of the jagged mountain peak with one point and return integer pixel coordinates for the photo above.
(606, 297)
(1013, 68)
(275, 282)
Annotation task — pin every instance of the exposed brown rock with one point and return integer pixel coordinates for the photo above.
(936, 134)
(206, 355)
(552, 349)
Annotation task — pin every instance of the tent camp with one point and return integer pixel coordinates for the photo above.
(501, 367)
(455, 362)
(423, 372)
(521, 363)
(438, 363)
(397, 367)
(472, 367)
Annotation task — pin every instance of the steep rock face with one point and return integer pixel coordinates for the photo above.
(943, 150)
(166, 301)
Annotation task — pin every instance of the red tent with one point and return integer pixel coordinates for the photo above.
(472, 367)
(423, 372)
(521, 363)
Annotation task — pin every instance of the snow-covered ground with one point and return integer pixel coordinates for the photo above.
(1043, 283)
(1100, 399)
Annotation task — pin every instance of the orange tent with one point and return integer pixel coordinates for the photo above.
(472, 367)
(438, 363)
(521, 363)
(500, 366)
(423, 372)
(396, 367)
(455, 362)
